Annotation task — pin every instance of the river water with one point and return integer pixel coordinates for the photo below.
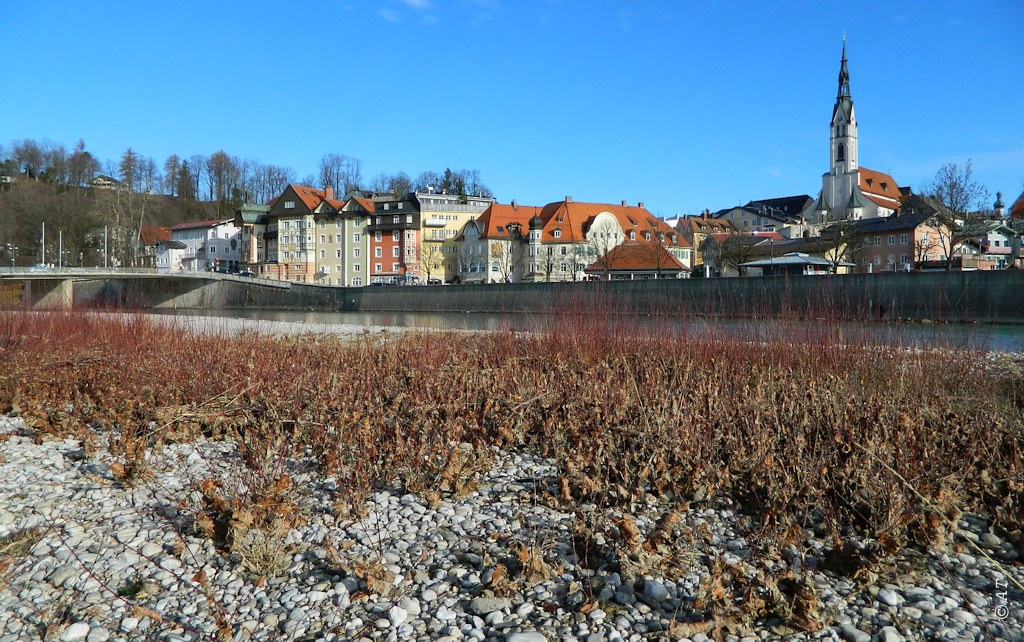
(1003, 338)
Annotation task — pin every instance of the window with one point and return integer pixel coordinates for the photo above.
(562, 250)
(632, 235)
(558, 234)
(396, 251)
(394, 267)
(903, 258)
(376, 236)
(395, 219)
(377, 268)
(396, 236)
(323, 239)
(378, 220)
(358, 222)
(386, 206)
(213, 249)
(903, 239)
(355, 237)
(337, 254)
(286, 224)
(298, 268)
(355, 252)
(647, 236)
(326, 269)
(878, 260)
(892, 239)
(841, 152)
(337, 223)
(356, 267)
(377, 253)
(408, 217)
(323, 254)
(323, 224)
(337, 268)
(289, 205)
(924, 237)
(878, 240)
(337, 238)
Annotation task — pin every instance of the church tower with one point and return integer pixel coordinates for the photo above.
(843, 138)
(839, 198)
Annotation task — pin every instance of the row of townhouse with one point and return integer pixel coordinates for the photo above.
(308, 235)
(912, 238)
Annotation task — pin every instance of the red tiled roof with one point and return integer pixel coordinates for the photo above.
(1017, 209)
(151, 235)
(494, 221)
(880, 188)
(637, 256)
(574, 218)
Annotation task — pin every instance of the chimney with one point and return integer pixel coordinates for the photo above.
(515, 206)
(568, 199)
(640, 204)
(329, 193)
(624, 202)
(704, 215)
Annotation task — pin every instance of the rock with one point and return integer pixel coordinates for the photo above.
(485, 605)
(656, 590)
(411, 605)
(526, 636)
(890, 597)
(397, 615)
(76, 631)
(129, 624)
(964, 617)
(888, 634)
(851, 633)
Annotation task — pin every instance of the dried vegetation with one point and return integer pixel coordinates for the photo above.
(843, 434)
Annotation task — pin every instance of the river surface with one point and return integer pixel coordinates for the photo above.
(1003, 338)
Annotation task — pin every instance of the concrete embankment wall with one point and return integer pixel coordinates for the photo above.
(996, 296)
(957, 296)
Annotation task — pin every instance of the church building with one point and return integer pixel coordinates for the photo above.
(849, 191)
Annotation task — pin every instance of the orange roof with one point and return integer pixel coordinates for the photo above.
(636, 256)
(880, 188)
(1017, 209)
(151, 235)
(495, 219)
(700, 225)
(573, 219)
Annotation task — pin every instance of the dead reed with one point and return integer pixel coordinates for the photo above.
(819, 426)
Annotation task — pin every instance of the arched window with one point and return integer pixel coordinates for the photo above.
(841, 152)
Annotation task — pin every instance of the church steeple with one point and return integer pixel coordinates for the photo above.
(844, 103)
(843, 128)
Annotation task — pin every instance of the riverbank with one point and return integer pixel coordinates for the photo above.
(578, 483)
(85, 557)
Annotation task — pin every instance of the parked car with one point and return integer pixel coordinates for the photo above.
(246, 273)
(222, 270)
(40, 267)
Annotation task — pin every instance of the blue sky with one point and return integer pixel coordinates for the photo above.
(680, 104)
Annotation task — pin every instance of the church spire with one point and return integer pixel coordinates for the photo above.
(844, 103)
(844, 74)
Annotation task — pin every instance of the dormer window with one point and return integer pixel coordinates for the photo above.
(557, 234)
(632, 235)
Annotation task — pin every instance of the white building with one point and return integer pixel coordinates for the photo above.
(201, 245)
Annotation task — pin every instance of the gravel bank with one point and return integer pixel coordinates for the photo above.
(84, 558)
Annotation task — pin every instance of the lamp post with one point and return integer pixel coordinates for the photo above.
(12, 253)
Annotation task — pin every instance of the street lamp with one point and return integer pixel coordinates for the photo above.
(12, 252)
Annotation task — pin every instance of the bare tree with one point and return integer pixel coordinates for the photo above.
(604, 237)
(843, 241)
(341, 173)
(431, 258)
(83, 166)
(959, 197)
(507, 256)
(172, 167)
